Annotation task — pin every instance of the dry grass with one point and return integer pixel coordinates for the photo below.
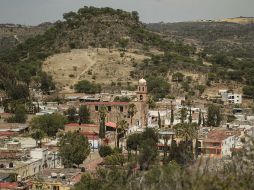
(96, 65)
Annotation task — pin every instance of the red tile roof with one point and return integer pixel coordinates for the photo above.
(8, 185)
(218, 135)
(7, 133)
(111, 124)
(106, 103)
(81, 125)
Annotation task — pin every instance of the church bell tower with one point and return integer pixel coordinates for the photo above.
(142, 102)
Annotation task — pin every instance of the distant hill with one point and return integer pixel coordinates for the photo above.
(214, 37)
(12, 34)
(239, 20)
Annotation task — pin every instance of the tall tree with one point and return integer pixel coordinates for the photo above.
(199, 118)
(133, 142)
(172, 115)
(186, 131)
(102, 115)
(72, 114)
(159, 119)
(20, 114)
(74, 149)
(132, 110)
(183, 114)
(148, 148)
(38, 135)
(213, 116)
(190, 115)
(122, 127)
(84, 114)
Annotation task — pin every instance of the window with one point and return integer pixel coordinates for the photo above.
(121, 108)
(55, 187)
(109, 108)
(143, 89)
(96, 108)
(141, 97)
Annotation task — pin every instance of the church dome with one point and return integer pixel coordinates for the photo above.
(142, 81)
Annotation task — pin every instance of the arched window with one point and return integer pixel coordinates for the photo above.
(143, 89)
(141, 97)
(139, 88)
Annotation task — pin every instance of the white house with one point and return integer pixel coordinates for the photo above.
(230, 97)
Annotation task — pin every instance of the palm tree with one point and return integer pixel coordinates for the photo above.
(122, 127)
(186, 131)
(132, 110)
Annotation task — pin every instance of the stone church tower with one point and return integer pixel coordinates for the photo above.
(142, 102)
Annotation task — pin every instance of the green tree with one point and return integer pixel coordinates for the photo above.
(148, 148)
(199, 117)
(190, 115)
(50, 124)
(214, 116)
(122, 127)
(133, 142)
(47, 83)
(38, 135)
(72, 114)
(186, 131)
(74, 149)
(115, 159)
(183, 114)
(19, 91)
(178, 77)
(172, 115)
(105, 151)
(85, 86)
(158, 87)
(159, 120)
(19, 115)
(103, 114)
(84, 114)
(132, 110)
(248, 91)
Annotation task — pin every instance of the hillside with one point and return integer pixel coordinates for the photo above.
(12, 35)
(112, 47)
(213, 37)
(96, 65)
(90, 28)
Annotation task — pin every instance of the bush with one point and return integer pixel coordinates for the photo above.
(115, 159)
(85, 86)
(105, 151)
(248, 90)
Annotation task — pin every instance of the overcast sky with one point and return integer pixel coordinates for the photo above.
(32, 12)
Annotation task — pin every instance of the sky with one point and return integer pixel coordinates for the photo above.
(33, 12)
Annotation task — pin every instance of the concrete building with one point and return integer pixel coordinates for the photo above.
(29, 165)
(230, 97)
(219, 143)
(56, 179)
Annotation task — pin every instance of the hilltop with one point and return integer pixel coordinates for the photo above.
(239, 20)
(89, 28)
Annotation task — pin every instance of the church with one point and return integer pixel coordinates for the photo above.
(117, 111)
